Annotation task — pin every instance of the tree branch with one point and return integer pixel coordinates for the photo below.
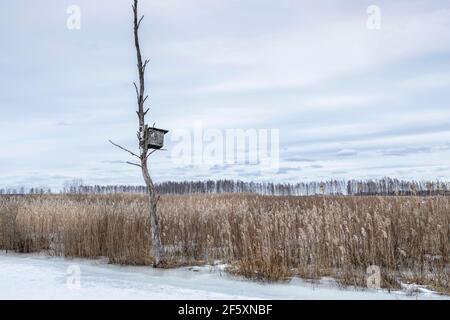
(150, 153)
(140, 20)
(124, 149)
(153, 151)
(134, 164)
(145, 65)
(136, 88)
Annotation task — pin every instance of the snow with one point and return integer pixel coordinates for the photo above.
(37, 276)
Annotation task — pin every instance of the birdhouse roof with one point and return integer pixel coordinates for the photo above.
(158, 129)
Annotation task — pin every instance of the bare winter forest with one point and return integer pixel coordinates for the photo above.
(384, 187)
(262, 237)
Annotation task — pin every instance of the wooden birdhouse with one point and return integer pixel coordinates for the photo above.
(155, 138)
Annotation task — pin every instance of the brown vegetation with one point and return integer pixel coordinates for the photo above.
(263, 237)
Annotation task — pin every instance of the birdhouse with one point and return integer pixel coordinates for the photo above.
(155, 138)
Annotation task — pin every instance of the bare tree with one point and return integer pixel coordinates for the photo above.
(144, 151)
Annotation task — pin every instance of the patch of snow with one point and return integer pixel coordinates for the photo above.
(413, 289)
(36, 276)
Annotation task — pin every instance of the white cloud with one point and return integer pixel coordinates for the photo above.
(342, 101)
(314, 52)
(311, 69)
(346, 153)
(427, 81)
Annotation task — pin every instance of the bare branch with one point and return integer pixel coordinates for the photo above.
(153, 151)
(124, 149)
(136, 88)
(145, 65)
(140, 20)
(150, 153)
(134, 164)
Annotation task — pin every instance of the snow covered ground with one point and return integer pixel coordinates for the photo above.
(34, 276)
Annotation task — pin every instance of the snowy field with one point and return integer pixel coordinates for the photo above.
(34, 276)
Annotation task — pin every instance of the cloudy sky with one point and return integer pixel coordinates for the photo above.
(348, 101)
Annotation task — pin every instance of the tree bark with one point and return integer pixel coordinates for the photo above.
(154, 219)
(151, 191)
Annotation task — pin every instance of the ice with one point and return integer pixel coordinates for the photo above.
(37, 276)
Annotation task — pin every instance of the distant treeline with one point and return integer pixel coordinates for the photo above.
(23, 190)
(386, 186)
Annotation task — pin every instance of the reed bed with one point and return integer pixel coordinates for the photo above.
(261, 237)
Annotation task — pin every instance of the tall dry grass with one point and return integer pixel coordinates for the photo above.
(263, 237)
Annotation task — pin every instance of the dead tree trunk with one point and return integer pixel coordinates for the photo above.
(140, 92)
(144, 151)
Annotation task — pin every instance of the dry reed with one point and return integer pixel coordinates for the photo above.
(262, 237)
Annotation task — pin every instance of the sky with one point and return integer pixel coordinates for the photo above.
(347, 98)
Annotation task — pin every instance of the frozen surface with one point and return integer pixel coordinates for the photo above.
(33, 276)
